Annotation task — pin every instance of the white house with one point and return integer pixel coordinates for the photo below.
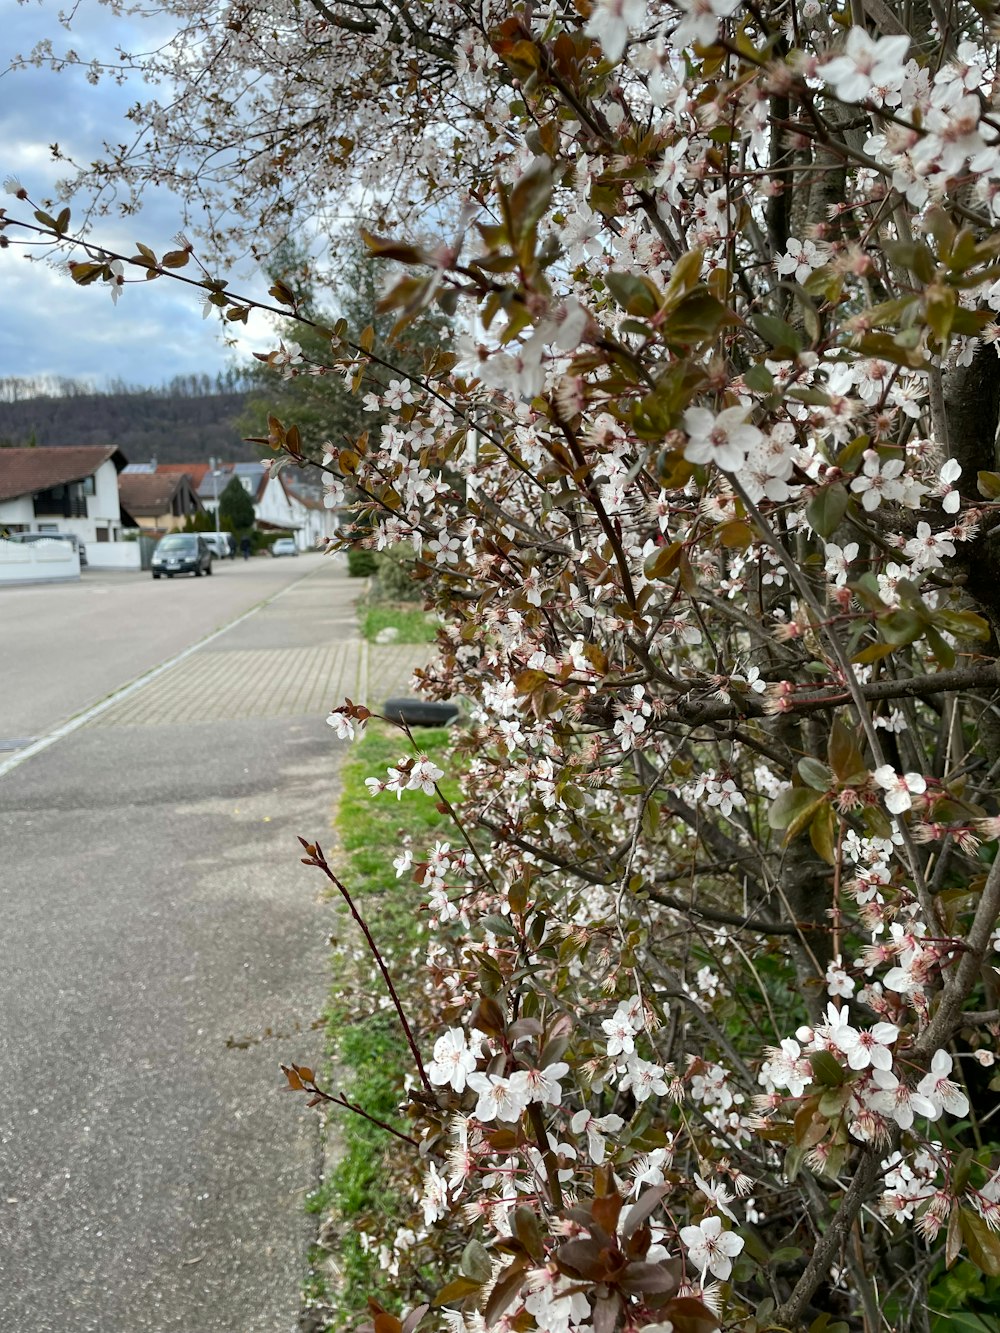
(292, 502)
(64, 489)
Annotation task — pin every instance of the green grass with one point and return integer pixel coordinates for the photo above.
(367, 1047)
(414, 626)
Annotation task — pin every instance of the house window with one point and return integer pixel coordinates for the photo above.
(102, 535)
(87, 486)
(48, 527)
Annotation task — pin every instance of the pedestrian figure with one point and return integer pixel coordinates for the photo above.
(245, 547)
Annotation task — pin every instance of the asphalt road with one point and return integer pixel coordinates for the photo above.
(152, 1173)
(65, 646)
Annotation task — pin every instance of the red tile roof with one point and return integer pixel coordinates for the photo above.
(196, 471)
(25, 471)
(147, 494)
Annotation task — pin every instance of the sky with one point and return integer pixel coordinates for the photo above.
(48, 325)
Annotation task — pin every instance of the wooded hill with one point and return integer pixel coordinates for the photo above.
(192, 417)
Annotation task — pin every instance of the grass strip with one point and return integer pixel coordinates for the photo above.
(414, 626)
(368, 1055)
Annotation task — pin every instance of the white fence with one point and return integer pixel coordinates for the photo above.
(114, 555)
(38, 562)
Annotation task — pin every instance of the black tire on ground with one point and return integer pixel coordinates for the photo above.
(156, 576)
(420, 713)
(170, 576)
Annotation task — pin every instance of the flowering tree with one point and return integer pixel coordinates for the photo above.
(703, 490)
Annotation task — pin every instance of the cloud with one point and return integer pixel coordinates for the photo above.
(47, 324)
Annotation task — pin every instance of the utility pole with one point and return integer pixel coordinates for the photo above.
(215, 491)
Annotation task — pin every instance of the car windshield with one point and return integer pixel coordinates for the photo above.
(177, 543)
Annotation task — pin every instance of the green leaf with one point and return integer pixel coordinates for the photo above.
(684, 277)
(826, 1069)
(821, 833)
(873, 653)
(827, 508)
(943, 652)
(498, 925)
(902, 627)
(636, 295)
(815, 773)
(789, 805)
(759, 379)
(697, 319)
(781, 336)
(475, 1263)
(982, 1245)
(965, 623)
(457, 1290)
(786, 1255)
(842, 751)
(530, 197)
(988, 484)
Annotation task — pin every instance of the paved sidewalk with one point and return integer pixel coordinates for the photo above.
(229, 679)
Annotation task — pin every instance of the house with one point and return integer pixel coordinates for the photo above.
(71, 488)
(159, 502)
(211, 482)
(292, 501)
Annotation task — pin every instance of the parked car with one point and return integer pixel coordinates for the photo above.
(284, 546)
(182, 553)
(221, 544)
(71, 537)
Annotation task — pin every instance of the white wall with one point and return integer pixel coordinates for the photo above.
(20, 511)
(114, 555)
(37, 562)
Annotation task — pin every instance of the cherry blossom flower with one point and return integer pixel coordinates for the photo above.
(423, 775)
(899, 1102)
(938, 1088)
(878, 481)
(499, 1099)
(838, 559)
(928, 550)
(799, 259)
(621, 1035)
(610, 21)
(643, 1079)
(718, 1195)
(723, 440)
(342, 724)
(396, 394)
(117, 279)
(837, 980)
(453, 1060)
(540, 1085)
(786, 1067)
(866, 64)
(595, 1127)
(701, 21)
(866, 1047)
(710, 1248)
(898, 788)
